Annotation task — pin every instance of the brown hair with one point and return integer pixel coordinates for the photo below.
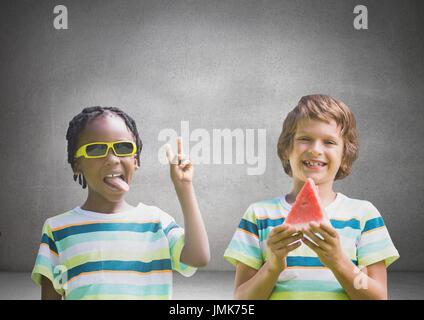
(324, 108)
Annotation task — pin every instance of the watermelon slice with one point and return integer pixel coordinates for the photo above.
(307, 207)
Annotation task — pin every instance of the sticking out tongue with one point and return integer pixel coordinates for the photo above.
(117, 183)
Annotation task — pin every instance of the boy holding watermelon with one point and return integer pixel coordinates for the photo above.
(343, 255)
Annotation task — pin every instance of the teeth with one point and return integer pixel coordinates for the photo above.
(113, 175)
(312, 163)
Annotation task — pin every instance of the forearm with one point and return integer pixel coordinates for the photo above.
(260, 286)
(357, 284)
(196, 245)
(47, 290)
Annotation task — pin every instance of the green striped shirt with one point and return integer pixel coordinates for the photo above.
(127, 255)
(363, 236)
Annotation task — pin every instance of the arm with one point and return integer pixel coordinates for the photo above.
(368, 283)
(258, 284)
(47, 290)
(196, 246)
(252, 284)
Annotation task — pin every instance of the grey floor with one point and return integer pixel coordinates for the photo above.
(209, 285)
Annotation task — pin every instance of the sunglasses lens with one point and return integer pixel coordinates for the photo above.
(96, 150)
(123, 148)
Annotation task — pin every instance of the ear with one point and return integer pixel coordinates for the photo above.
(136, 164)
(77, 166)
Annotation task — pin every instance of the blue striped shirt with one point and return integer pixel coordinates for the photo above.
(363, 236)
(127, 255)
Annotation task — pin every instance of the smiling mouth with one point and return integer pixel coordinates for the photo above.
(313, 164)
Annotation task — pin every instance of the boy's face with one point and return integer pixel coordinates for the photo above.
(317, 151)
(106, 128)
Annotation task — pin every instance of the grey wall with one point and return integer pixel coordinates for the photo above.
(217, 64)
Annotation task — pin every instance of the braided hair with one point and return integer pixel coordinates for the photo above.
(78, 123)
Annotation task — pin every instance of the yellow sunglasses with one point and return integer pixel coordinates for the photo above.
(101, 149)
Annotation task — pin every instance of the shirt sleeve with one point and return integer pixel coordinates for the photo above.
(175, 235)
(47, 261)
(245, 247)
(375, 243)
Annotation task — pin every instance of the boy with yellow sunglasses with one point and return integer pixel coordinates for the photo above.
(106, 248)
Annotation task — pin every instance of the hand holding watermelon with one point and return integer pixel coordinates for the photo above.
(282, 239)
(325, 243)
(308, 216)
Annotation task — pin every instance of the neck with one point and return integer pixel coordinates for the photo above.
(102, 205)
(325, 191)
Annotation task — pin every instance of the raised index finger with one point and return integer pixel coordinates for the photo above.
(179, 146)
(179, 149)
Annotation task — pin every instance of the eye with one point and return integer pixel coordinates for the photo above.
(303, 139)
(330, 142)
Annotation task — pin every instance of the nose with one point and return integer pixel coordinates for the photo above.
(316, 148)
(111, 157)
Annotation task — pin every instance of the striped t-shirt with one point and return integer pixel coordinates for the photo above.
(126, 255)
(363, 236)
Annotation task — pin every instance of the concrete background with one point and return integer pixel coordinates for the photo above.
(217, 64)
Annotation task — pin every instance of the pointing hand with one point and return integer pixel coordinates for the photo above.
(181, 167)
